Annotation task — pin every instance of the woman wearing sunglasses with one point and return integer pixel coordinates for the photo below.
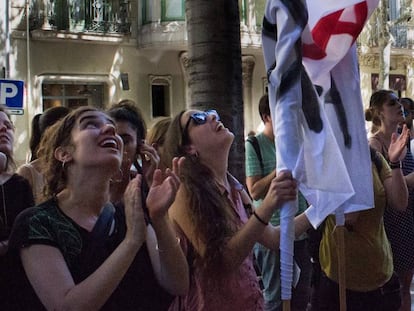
(387, 115)
(209, 212)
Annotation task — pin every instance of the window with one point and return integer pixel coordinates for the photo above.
(110, 16)
(397, 83)
(242, 11)
(172, 10)
(72, 95)
(160, 96)
(260, 6)
(265, 84)
(146, 11)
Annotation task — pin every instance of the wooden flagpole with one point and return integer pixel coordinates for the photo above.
(339, 232)
(286, 305)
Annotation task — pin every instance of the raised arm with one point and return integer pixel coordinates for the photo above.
(50, 277)
(168, 260)
(396, 187)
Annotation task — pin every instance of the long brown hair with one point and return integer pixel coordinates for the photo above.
(58, 135)
(209, 208)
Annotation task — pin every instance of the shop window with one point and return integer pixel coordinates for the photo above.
(72, 95)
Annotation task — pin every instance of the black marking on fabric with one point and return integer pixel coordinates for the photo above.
(298, 11)
(289, 77)
(318, 89)
(310, 103)
(269, 30)
(334, 97)
(269, 71)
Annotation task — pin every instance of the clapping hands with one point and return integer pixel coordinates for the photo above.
(163, 189)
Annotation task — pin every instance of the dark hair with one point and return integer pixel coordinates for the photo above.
(35, 137)
(39, 125)
(127, 110)
(209, 209)
(51, 116)
(264, 109)
(58, 135)
(407, 100)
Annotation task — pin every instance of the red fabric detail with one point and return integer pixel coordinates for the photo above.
(330, 25)
(313, 51)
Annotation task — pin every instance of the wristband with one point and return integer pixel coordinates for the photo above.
(259, 219)
(395, 165)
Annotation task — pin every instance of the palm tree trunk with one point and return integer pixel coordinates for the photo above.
(214, 68)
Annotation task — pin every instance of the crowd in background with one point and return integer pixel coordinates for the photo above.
(111, 215)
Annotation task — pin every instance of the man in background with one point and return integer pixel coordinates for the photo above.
(260, 170)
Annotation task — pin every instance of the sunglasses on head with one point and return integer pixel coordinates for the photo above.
(199, 118)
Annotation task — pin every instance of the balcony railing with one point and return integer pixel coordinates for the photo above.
(102, 16)
(402, 37)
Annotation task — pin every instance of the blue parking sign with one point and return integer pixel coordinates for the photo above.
(11, 93)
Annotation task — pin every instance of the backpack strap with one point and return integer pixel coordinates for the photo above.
(92, 257)
(255, 143)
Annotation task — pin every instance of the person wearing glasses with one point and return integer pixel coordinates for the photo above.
(211, 218)
(387, 114)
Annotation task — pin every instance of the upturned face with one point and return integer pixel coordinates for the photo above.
(392, 110)
(96, 142)
(205, 131)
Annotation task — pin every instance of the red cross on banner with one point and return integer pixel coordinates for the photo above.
(331, 25)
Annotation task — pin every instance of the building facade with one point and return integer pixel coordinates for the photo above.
(97, 52)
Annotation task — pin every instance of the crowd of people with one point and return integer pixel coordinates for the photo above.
(111, 215)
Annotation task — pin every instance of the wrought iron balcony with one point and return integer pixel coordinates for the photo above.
(101, 16)
(401, 35)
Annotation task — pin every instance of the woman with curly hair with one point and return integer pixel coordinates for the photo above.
(76, 250)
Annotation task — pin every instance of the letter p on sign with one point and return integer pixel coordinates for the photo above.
(11, 93)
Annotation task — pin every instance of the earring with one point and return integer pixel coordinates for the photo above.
(63, 165)
(196, 154)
